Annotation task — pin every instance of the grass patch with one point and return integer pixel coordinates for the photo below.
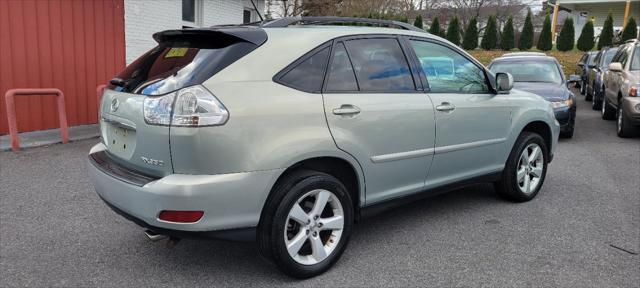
(567, 59)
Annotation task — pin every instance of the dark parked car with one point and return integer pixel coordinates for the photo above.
(542, 75)
(582, 69)
(595, 83)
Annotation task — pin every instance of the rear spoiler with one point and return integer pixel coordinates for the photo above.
(252, 35)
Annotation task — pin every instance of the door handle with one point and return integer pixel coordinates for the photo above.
(346, 109)
(445, 107)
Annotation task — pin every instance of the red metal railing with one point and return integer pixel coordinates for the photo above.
(11, 112)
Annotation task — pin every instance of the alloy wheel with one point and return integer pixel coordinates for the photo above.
(314, 227)
(530, 168)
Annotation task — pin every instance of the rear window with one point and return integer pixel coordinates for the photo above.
(179, 62)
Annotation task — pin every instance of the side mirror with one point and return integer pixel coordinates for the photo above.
(580, 64)
(573, 79)
(615, 67)
(592, 66)
(504, 82)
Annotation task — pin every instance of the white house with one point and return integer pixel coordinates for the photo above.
(142, 18)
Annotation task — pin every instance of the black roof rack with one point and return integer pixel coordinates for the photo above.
(320, 20)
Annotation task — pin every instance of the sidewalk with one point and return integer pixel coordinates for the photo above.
(48, 137)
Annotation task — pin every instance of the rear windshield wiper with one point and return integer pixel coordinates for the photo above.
(117, 82)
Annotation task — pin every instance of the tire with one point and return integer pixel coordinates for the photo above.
(624, 130)
(607, 112)
(572, 127)
(596, 103)
(303, 189)
(588, 96)
(520, 190)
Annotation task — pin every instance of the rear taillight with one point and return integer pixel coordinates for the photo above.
(633, 92)
(193, 106)
(180, 216)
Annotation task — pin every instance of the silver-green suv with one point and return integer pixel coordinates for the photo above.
(288, 131)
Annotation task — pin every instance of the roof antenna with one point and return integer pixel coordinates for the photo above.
(258, 12)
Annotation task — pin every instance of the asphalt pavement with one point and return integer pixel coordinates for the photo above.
(583, 230)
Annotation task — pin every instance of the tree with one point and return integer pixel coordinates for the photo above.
(490, 37)
(544, 41)
(566, 39)
(404, 19)
(418, 22)
(453, 31)
(586, 40)
(526, 36)
(508, 37)
(470, 40)
(630, 30)
(606, 36)
(435, 27)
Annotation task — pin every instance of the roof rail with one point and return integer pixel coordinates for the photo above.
(321, 20)
(631, 41)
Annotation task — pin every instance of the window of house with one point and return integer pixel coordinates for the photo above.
(191, 13)
(246, 16)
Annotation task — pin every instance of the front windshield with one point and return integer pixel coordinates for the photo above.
(529, 71)
(608, 56)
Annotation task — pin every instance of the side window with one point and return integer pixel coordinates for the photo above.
(447, 71)
(308, 75)
(380, 65)
(624, 56)
(341, 74)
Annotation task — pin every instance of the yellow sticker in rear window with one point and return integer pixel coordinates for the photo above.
(176, 52)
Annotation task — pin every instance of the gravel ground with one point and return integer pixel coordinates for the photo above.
(55, 231)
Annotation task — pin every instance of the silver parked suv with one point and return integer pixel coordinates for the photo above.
(621, 82)
(288, 131)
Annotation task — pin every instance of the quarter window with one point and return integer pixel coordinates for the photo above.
(447, 71)
(307, 76)
(380, 65)
(341, 74)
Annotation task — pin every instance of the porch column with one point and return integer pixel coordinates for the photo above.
(555, 21)
(626, 13)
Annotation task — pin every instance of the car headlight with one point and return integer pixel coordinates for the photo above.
(562, 104)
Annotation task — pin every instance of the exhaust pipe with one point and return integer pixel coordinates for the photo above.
(153, 236)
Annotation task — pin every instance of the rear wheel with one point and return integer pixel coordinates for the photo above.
(624, 129)
(306, 224)
(525, 169)
(608, 113)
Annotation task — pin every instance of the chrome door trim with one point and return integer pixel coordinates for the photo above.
(470, 145)
(402, 155)
(118, 123)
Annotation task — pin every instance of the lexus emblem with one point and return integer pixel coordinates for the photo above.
(115, 104)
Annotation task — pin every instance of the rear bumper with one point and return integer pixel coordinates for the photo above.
(229, 201)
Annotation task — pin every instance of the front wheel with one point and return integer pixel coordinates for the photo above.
(525, 169)
(624, 129)
(306, 223)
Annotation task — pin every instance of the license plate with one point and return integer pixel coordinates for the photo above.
(120, 132)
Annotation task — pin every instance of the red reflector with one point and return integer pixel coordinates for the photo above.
(180, 216)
